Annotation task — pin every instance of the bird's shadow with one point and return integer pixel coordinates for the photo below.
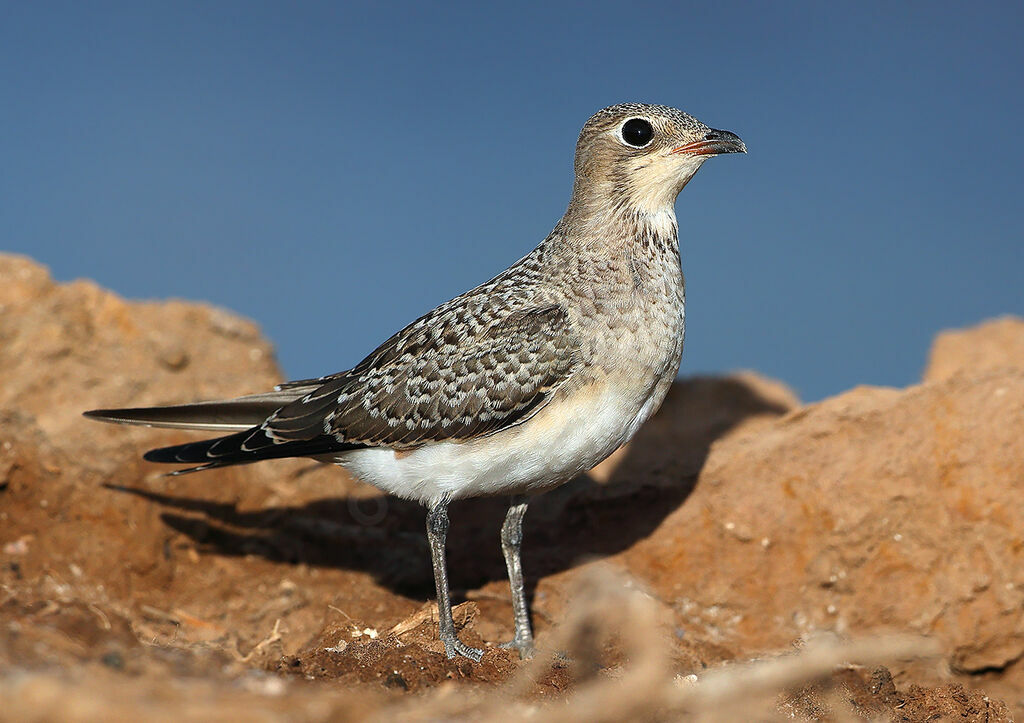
(585, 518)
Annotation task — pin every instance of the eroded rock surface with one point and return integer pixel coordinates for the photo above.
(286, 589)
(995, 345)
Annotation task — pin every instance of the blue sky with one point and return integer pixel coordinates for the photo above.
(333, 171)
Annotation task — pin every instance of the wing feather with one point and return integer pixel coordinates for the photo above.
(444, 378)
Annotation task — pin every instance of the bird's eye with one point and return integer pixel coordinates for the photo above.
(637, 132)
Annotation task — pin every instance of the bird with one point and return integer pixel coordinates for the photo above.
(514, 387)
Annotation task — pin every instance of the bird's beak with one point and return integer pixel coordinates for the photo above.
(713, 143)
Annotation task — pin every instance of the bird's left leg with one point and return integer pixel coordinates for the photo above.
(437, 532)
(511, 541)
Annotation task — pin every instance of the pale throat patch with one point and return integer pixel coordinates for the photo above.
(662, 221)
(657, 182)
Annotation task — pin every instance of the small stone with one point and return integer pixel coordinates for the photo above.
(113, 660)
(395, 680)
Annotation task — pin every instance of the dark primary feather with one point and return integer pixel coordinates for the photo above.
(218, 416)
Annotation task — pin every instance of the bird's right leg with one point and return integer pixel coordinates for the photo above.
(437, 531)
(511, 542)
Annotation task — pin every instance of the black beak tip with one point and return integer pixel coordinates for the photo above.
(725, 141)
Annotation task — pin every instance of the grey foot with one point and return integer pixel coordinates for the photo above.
(453, 646)
(523, 645)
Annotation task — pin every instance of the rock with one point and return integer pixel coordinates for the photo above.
(752, 520)
(876, 509)
(66, 348)
(993, 345)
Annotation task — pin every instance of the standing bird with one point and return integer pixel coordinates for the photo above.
(516, 386)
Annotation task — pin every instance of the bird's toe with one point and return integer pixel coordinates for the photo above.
(524, 646)
(454, 647)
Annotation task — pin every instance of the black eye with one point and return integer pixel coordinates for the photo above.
(637, 132)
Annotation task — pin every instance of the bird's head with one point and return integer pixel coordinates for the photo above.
(637, 157)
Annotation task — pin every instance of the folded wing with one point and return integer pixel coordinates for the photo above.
(437, 380)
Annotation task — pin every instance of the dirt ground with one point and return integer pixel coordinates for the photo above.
(735, 562)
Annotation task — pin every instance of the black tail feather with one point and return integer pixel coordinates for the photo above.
(251, 445)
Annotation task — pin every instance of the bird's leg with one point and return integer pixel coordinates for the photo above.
(511, 541)
(437, 531)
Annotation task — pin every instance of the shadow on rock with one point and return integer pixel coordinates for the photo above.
(595, 515)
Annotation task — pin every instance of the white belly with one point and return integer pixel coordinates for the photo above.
(566, 437)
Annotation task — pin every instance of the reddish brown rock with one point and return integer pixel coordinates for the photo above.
(993, 345)
(753, 520)
(71, 347)
(874, 509)
(878, 509)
